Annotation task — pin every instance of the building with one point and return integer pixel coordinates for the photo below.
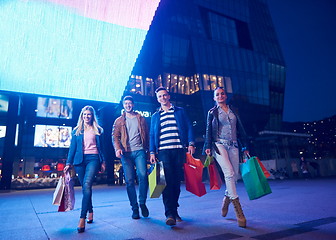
(191, 48)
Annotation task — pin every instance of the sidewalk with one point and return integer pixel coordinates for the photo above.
(297, 209)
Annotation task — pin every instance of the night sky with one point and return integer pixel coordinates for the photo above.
(306, 31)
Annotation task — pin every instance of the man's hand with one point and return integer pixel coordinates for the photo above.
(152, 158)
(191, 150)
(119, 152)
(103, 167)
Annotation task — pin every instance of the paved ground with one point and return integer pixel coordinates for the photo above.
(297, 209)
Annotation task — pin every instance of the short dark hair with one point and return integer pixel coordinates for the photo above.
(130, 98)
(161, 89)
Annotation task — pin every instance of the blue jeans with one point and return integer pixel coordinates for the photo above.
(86, 172)
(137, 159)
(172, 160)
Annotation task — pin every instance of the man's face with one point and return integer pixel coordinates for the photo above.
(163, 97)
(128, 106)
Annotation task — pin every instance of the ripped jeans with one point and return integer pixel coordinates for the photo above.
(228, 160)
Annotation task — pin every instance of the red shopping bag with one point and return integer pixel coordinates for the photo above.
(193, 161)
(193, 170)
(266, 173)
(215, 179)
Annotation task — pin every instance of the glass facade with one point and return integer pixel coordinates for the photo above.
(193, 47)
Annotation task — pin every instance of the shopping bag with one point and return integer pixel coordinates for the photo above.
(208, 161)
(68, 200)
(156, 180)
(61, 207)
(193, 161)
(254, 179)
(58, 193)
(215, 179)
(266, 173)
(193, 170)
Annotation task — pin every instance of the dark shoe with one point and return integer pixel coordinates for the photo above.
(136, 214)
(170, 221)
(178, 218)
(81, 230)
(90, 218)
(81, 225)
(144, 210)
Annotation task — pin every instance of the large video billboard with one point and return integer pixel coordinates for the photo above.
(81, 49)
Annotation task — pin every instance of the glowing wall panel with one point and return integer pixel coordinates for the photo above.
(72, 48)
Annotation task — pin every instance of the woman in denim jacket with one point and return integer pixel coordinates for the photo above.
(86, 155)
(221, 141)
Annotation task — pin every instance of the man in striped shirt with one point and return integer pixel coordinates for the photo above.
(170, 134)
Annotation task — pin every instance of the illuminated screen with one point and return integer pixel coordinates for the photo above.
(52, 136)
(2, 131)
(72, 48)
(3, 104)
(54, 108)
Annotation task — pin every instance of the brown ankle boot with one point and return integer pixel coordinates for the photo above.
(225, 206)
(239, 213)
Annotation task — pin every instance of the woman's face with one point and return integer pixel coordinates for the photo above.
(220, 96)
(87, 117)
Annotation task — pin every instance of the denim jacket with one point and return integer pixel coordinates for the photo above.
(76, 153)
(184, 126)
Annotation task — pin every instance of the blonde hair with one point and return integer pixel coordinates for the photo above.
(80, 124)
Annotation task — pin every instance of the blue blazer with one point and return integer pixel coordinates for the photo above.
(184, 127)
(76, 153)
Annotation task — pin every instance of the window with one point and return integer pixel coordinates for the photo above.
(223, 29)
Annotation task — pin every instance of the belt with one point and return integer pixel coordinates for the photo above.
(227, 142)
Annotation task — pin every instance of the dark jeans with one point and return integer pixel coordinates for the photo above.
(137, 159)
(172, 163)
(86, 172)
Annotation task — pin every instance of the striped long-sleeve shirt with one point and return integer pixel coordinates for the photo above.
(169, 134)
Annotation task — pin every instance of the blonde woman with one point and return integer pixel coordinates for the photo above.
(86, 155)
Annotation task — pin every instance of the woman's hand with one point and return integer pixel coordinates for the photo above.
(66, 168)
(246, 153)
(208, 151)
